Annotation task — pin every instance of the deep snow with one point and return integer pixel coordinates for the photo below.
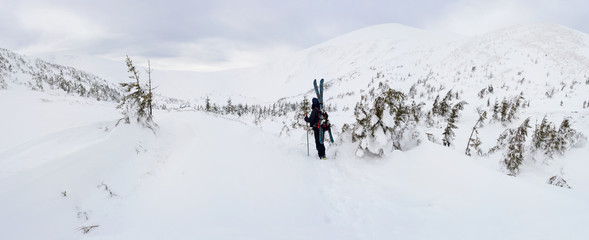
(208, 177)
(64, 165)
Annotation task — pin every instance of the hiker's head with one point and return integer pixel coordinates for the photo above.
(315, 102)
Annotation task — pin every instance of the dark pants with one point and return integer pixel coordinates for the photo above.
(320, 147)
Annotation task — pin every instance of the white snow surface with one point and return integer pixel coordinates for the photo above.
(64, 165)
(207, 177)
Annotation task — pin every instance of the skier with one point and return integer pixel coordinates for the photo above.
(314, 121)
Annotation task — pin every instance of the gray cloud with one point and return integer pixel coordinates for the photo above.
(218, 34)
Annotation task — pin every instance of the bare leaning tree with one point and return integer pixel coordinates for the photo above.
(149, 90)
(474, 142)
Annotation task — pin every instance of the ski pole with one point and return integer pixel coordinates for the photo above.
(307, 130)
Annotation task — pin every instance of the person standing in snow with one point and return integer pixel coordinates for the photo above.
(314, 121)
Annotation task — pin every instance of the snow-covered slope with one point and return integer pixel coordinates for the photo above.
(195, 179)
(352, 58)
(18, 72)
(65, 167)
(545, 56)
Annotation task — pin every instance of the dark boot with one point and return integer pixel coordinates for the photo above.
(320, 147)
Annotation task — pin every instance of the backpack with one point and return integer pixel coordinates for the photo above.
(323, 122)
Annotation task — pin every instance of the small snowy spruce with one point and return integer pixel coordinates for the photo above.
(550, 140)
(384, 121)
(452, 119)
(506, 111)
(558, 181)
(516, 148)
(445, 106)
(136, 100)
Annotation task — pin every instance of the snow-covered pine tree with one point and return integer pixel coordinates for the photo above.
(511, 115)
(436, 106)
(383, 120)
(536, 137)
(229, 109)
(412, 91)
(514, 106)
(445, 104)
(558, 181)
(404, 134)
(208, 106)
(3, 85)
(429, 121)
(567, 136)
(136, 99)
(496, 110)
(239, 109)
(516, 149)
(504, 110)
(448, 134)
(452, 119)
(482, 93)
(415, 110)
(546, 137)
(520, 100)
(542, 134)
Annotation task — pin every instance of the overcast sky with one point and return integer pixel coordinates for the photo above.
(208, 35)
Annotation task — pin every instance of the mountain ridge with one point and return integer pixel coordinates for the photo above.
(400, 55)
(501, 53)
(17, 71)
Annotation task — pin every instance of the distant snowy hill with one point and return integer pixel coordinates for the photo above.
(544, 56)
(548, 63)
(353, 58)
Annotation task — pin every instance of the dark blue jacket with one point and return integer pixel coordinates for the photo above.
(314, 118)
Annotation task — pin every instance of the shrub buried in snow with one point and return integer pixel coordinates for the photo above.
(384, 121)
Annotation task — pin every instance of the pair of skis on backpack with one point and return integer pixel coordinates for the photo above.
(324, 125)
